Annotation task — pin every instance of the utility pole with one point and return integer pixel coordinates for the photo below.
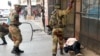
(29, 8)
(43, 16)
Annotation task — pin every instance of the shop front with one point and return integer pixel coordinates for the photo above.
(88, 23)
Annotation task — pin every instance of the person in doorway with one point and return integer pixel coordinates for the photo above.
(72, 44)
(14, 29)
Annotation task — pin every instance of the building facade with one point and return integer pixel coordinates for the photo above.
(88, 22)
(84, 21)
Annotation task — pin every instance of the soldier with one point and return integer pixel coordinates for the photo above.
(14, 29)
(3, 31)
(57, 24)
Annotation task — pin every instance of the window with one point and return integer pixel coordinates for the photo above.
(90, 21)
(91, 9)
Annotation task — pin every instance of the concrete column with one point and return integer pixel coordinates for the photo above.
(29, 10)
(19, 1)
(43, 14)
(29, 7)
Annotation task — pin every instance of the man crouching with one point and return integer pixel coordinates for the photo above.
(72, 44)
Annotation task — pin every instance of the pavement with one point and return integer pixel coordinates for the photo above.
(40, 44)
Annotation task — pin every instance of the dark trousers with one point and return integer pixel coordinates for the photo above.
(3, 39)
(75, 47)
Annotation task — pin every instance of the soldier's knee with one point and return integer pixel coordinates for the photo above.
(18, 42)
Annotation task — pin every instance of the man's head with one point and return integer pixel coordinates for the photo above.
(17, 7)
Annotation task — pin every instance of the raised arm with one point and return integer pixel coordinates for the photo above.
(69, 8)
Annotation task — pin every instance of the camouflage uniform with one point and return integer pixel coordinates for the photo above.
(3, 31)
(14, 29)
(57, 23)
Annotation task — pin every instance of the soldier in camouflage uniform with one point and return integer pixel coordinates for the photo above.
(3, 31)
(57, 24)
(14, 29)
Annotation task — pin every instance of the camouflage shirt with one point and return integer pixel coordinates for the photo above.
(14, 17)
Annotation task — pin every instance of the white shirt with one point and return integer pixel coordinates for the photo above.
(70, 42)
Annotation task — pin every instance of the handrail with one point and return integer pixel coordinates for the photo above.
(31, 28)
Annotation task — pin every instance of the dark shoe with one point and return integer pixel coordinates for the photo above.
(3, 44)
(61, 51)
(54, 55)
(20, 51)
(14, 51)
(4, 41)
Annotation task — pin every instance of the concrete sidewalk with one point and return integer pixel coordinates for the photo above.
(85, 51)
(41, 44)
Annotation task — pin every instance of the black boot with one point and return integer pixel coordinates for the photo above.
(61, 51)
(20, 51)
(53, 54)
(15, 50)
(4, 41)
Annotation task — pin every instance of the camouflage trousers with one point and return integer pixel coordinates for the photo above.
(15, 34)
(56, 40)
(2, 34)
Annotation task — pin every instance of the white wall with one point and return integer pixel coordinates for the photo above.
(33, 2)
(4, 4)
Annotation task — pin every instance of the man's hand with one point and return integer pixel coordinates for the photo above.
(70, 4)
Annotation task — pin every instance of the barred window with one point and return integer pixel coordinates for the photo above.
(91, 9)
(90, 21)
